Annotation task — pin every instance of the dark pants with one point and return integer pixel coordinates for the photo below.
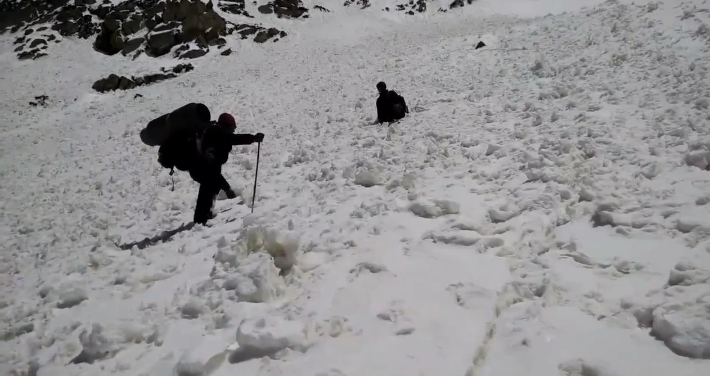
(205, 202)
(209, 178)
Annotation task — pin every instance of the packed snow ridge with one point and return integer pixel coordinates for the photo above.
(543, 209)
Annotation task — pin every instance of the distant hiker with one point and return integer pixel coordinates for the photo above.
(190, 141)
(390, 105)
(214, 147)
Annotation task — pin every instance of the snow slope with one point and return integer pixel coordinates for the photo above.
(457, 242)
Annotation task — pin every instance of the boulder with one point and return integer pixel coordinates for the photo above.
(265, 9)
(193, 54)
(160, 44)
(115, 82)
(117, 41)
(261, 37)
(131, 27)
(37, 42)
(208, 24)
(132, 45)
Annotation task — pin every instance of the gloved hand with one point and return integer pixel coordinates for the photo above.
(230, 194)
(258, 137)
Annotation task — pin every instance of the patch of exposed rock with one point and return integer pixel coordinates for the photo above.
(115, 82)
(132, 27)
(285, 8)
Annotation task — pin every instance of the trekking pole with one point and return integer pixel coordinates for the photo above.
(256, 175)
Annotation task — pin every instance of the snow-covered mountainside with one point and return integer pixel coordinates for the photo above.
(543, 210)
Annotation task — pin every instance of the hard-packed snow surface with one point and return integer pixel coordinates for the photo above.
(544, 209)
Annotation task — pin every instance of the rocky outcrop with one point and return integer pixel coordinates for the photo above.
(460, 3)
(285, 8)
(132, 27)
(116, 82)
(234, 7)
(261, 34)
(33, 45)
(418, 6)
(361, 3)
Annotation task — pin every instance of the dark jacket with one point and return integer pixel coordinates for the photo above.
(390, 107)
(215, 146)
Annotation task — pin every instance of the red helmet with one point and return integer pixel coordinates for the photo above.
(227, 120)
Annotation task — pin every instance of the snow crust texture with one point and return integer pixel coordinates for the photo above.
(543, 210)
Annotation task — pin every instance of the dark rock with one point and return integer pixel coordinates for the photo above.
(151, 23)
(132, 45)
(180, 68)
(289, 8)
(137, 96)
(18, 49)
(114, 82)
(320, 8)
(111, 23)
(480, 45)
(460, 3)
(161, 43)
(193, 54)
(261, 37)
(40, 100)
(170, 13)
(29, 31)
(265, 9)
(362, 3)
(218, 42)
(234, 7)
(117, 41)
(201, 42)
(109, 83)
(131, 27)
(124, 83)
(167, 26)
(182, 48)
(226, 52)
(37, 42)
(51, 37)
(19, 40)
(208, 24)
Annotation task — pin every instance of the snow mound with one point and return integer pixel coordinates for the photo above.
(102, 342)
(256, 279)
(679, 315)
(203, 358)
(431, 209)
(255, 265)
(580, 367)
(267, 336)
(684, 324)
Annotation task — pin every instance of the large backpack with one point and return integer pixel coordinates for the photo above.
(177, 133)
(178, 151)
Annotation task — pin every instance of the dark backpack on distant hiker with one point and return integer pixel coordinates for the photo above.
(177, 134)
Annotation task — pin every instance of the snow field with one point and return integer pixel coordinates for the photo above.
(457, 242)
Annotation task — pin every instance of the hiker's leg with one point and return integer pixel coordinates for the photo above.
(204, 204)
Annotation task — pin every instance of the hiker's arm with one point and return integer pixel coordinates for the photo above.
(242, 139)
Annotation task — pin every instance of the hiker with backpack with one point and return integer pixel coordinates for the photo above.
(390, 105)
(214, 148)
(190, 141)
